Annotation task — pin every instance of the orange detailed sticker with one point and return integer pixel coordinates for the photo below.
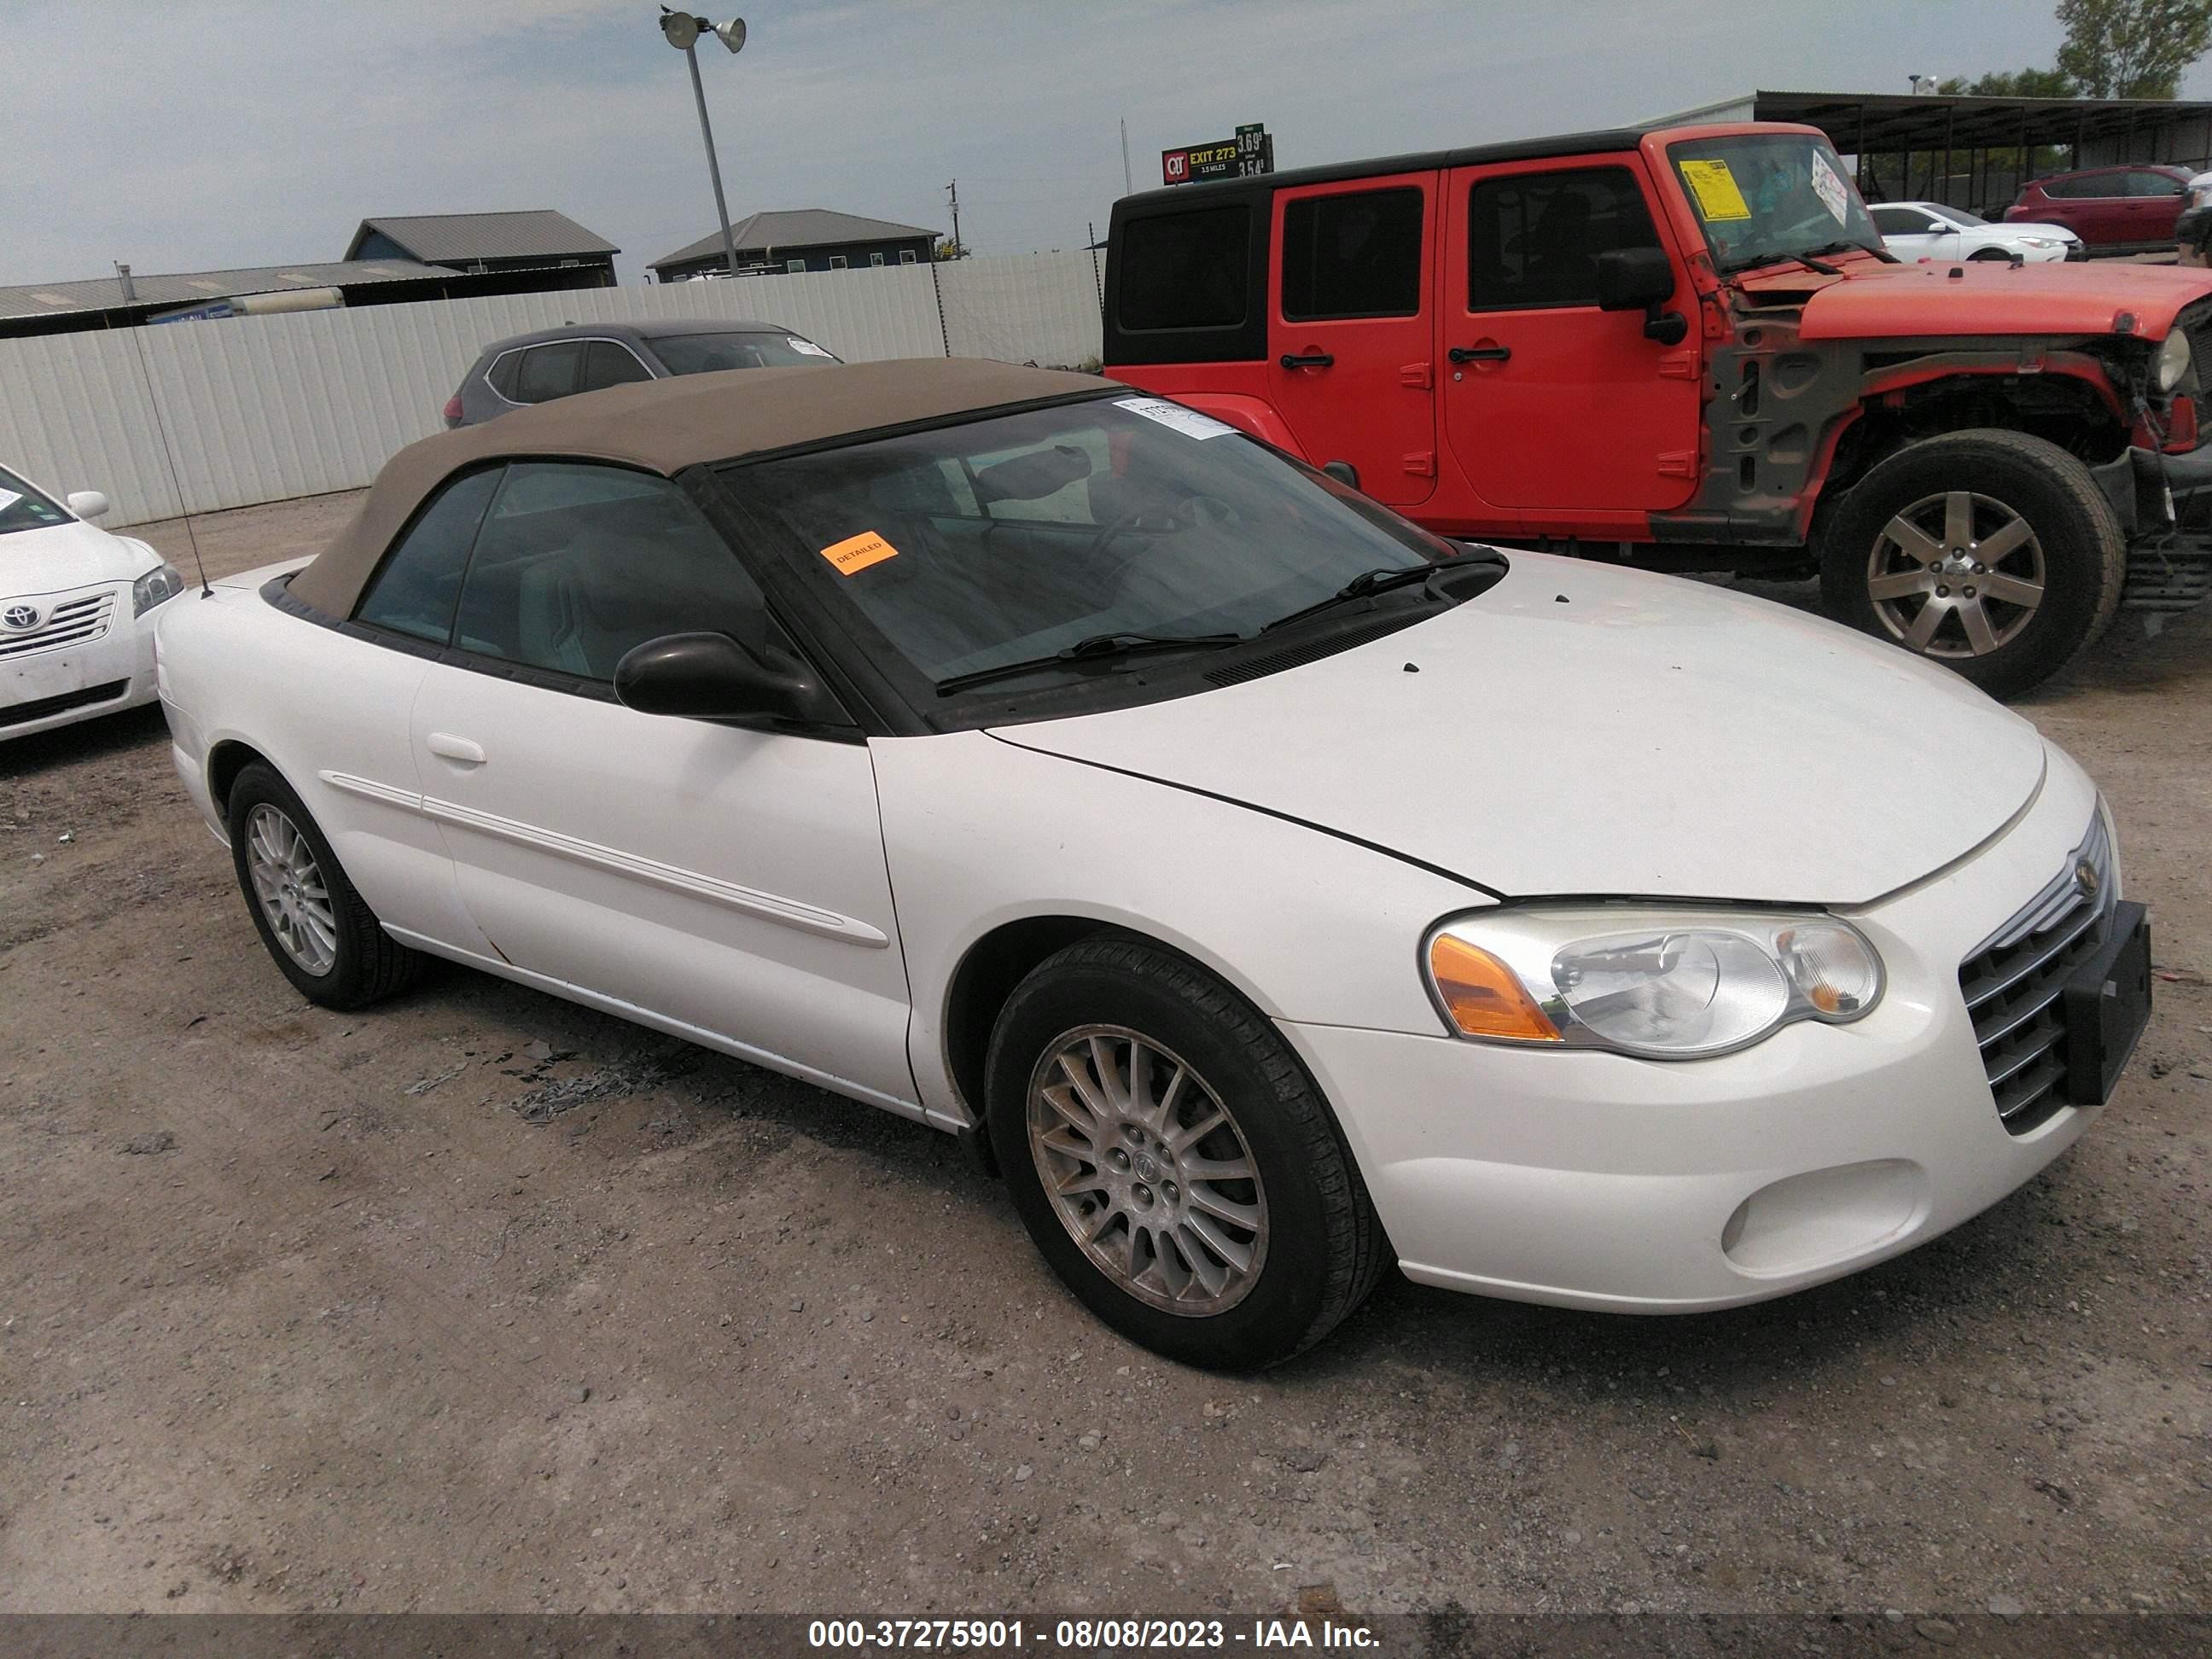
(858, 552)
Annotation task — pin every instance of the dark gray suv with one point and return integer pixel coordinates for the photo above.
(555, 362)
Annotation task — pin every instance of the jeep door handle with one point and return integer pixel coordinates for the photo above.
(1308, 360)
(446, 745)
(1488, 353)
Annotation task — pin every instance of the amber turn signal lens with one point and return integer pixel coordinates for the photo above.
(1484, 997)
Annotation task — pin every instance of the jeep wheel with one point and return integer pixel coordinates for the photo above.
(1991, 552)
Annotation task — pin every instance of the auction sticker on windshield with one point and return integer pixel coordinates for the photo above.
(1830, 188)
(856, 553)
(1188, 422)
(1715, 188)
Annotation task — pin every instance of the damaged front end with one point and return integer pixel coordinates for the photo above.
(2160, 486)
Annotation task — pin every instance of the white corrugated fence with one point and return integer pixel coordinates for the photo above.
(257, 409)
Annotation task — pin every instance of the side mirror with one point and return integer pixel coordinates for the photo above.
(1343, 471)
(710, 676)
(88, 503)
(1642, 279)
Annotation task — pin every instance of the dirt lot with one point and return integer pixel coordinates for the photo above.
(481, 1301)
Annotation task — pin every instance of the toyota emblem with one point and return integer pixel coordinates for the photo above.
(20, 616)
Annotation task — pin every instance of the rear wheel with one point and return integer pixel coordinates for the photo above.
(1173, 1162)
(1992, 552)
(317, 927)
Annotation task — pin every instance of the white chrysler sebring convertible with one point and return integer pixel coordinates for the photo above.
(1266, 888)
(75, 640)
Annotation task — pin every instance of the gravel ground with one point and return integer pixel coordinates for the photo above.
(481, 1301)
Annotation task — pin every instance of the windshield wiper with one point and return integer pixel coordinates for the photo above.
(1368, 583)
(1846, 246)
(1095, 648)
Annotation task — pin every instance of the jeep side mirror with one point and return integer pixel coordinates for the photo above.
(1642, 279)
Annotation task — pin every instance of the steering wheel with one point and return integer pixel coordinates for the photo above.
(1187, 514)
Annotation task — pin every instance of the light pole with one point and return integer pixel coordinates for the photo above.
(683, 31)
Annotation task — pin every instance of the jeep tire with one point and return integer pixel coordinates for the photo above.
(1990, 551)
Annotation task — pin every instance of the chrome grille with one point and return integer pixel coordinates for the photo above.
(2012, 983)
(78, 621)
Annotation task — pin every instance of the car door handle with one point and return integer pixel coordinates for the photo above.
(1488, 353)
(1306, 360)
(449, 747)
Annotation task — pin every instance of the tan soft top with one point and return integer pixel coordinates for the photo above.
(666, 426)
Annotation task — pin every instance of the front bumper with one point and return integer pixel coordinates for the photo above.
(1593, 1181)
(44, 687)
(2164, 506)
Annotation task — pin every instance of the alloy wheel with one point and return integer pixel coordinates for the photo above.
(1147, 1169)
(1957, 575)
(294, 899)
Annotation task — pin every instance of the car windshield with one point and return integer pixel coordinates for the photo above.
(22, 507)
(1957, 216)
(1768, 197)
(1013, 537)
(703, 354)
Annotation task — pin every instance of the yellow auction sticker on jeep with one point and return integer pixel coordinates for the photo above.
(856, 553)
(1715, 188)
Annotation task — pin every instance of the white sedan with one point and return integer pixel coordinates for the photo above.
(76, 638)
(1269, 888)
(1929, 230)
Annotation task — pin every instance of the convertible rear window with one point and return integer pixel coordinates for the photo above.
(1010, 538)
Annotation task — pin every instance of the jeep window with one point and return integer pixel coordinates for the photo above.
(1186, 270)
(1763, 197)
(1356, 254)
(1533, 239)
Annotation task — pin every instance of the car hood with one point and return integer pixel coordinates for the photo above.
(64, 556)
(1582, 729)
(1873, 301)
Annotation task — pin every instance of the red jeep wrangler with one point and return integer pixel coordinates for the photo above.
(1687, 350)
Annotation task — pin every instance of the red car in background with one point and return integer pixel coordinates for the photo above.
(2111, 209)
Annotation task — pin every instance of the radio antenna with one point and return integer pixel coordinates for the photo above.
(169, 459)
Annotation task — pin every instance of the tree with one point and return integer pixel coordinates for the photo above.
(2013, 83)
(949, 249)
(2132, 48)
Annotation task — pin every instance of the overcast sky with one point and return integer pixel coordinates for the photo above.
(199, 134)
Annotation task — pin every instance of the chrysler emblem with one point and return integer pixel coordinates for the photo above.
(20, 616)
(2085, 877)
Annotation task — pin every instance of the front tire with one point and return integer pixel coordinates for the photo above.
(1173, 1162)
(1991, 552)
(319, 929)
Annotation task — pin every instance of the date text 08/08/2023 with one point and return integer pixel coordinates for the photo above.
(1086, 1635)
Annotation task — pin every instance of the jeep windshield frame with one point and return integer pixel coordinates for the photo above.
(1763, 198)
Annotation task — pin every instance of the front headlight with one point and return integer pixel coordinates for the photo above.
(2172, 361)
(162, 582)
(1656, 983)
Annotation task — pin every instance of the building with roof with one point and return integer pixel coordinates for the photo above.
(113, 303)
(529, 239)
(801, 239)
(1976, 153)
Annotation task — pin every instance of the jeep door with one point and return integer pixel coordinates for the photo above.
(1351, 340)
(1548, 402)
